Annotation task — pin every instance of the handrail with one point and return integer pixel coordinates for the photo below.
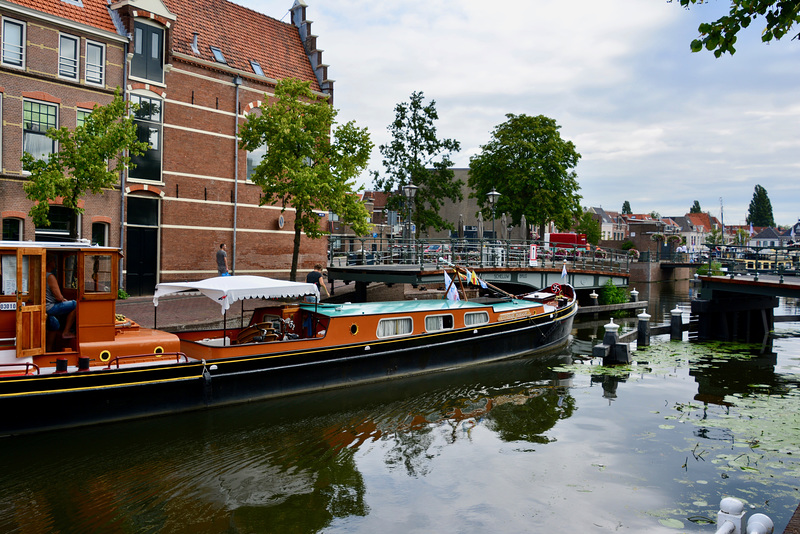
(156, 354)
(27, 365)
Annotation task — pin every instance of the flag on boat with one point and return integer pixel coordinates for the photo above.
(473, 278)
(564, 271)
(452, 292)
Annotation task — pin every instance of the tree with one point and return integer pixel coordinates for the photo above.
(589, 226)
(303, 168)
(90, 158)
(416, 156)
(626, 208)
(695, 208)
(720, 36)
(760, 211)
(530, 165)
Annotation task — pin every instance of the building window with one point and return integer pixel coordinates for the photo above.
(254, 157)
(148, 52)
(13, 43)
(95, 63)
(100, 234)
(256, 67)
(81, 118)
(61, 221)
(148, 123)
(68, 57)
(218, 54)
(37, 118)
(12, 229)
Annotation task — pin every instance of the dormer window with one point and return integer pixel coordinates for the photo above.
(148, 52)
(218, 54)
(256, 67)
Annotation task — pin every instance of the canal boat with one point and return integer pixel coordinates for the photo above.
(111, 368)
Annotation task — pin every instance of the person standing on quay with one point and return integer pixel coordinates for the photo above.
(222, 260)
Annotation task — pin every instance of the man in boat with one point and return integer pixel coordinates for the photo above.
(315, 277)
(57, 305)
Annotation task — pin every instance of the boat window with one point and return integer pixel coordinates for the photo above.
(8, 274)
(97, 273)
(473, 318)
(395, 327)
(438, 322)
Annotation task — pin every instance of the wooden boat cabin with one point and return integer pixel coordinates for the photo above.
(31, 340)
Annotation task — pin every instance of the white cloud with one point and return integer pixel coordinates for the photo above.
(655, 124)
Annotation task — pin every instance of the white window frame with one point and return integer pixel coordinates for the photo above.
(19, 223)
(50, 104)
(471, 318)
(20, 45)
(251, 164)
(395, 327)
(78, 112)
(439, 319)
(92, 68)
(71, 63)
(105, 229)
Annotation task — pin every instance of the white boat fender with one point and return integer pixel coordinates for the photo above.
(366, 348)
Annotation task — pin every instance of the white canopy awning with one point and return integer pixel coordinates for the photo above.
(228, 289)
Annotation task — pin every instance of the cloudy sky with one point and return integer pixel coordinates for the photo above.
(655, 124)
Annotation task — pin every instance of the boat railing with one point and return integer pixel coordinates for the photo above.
(147, 358)
(27, 365)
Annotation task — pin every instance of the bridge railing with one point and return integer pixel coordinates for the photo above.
(475, 253)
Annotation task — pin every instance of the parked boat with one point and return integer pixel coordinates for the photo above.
(112, 368)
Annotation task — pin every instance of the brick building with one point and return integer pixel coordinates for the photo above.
(196, 68)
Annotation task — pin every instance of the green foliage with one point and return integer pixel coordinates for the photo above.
(122, 294)
(741, 237)
(529, 163)
(90, 158)
(695, 208)
(719, 36)
(626, 208)
(760, 211)
(713, 269)
(416, 156)
(611, 294)
(589, 226)
(303, 168)
(627, 245)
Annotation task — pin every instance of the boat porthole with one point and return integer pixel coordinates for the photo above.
(105, 356)
(158, 350)
(354, 329)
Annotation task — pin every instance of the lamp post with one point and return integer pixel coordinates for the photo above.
(409, 191)
(493, 195)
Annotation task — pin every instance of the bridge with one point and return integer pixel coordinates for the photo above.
(515, 266)
(741, 307)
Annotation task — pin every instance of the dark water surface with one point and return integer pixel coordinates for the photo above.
(556, 444)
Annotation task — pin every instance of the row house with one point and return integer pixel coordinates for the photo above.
(196, 69)
(613, 226)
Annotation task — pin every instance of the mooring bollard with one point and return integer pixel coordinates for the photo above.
(611, 350)
(594, 296)
(730, 519)
(676, 325)
(634, 295)
(643, 330)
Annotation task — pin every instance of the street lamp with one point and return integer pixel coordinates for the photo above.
(409, 191)
(493, 196)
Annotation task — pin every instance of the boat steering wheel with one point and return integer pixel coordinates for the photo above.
(555, 289)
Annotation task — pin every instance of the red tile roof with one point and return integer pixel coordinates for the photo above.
(241, 34)
(94, 13)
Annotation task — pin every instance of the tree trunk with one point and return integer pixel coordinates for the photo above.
(295, 252)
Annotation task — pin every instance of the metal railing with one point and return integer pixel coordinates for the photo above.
(503, 253)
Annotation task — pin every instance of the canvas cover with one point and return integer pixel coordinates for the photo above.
(228, 289)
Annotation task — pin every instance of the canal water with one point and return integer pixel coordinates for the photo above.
(555, 444)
